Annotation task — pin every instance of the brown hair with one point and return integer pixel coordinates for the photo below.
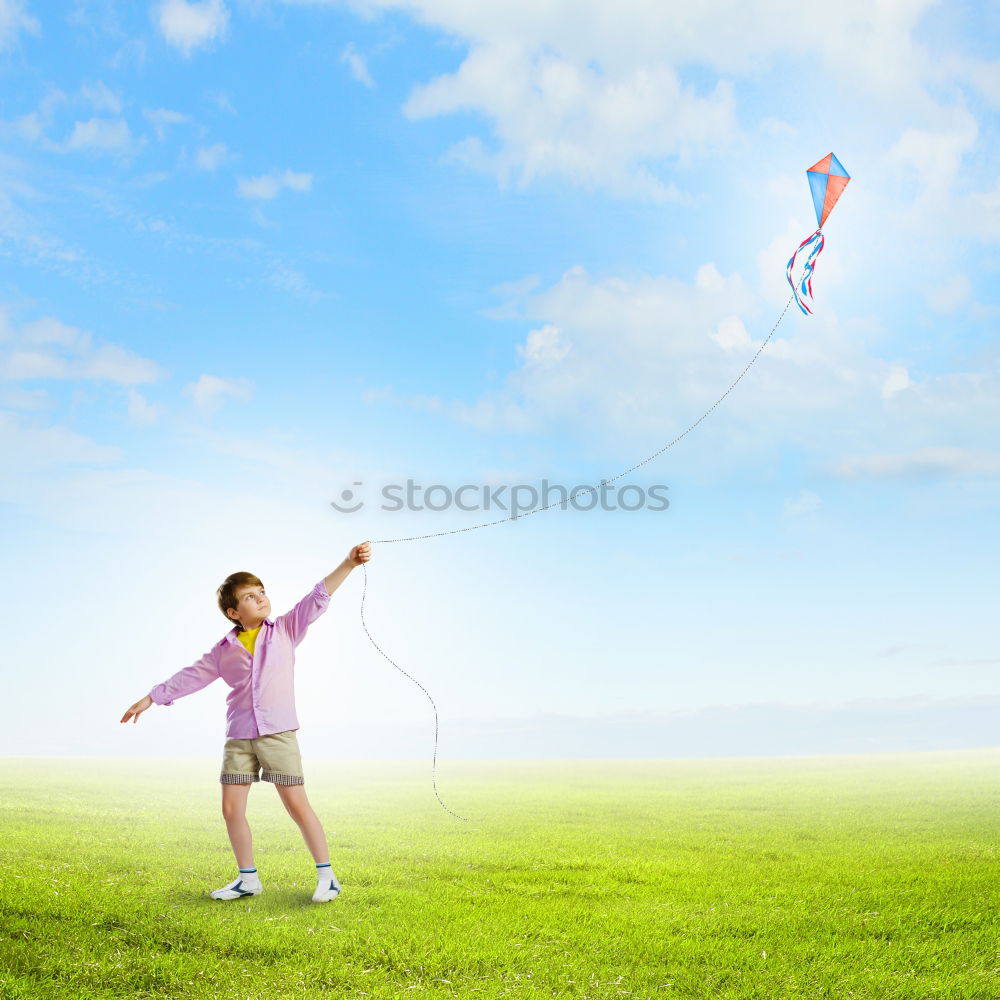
(227, 592)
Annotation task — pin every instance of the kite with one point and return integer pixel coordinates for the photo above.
(827, 180)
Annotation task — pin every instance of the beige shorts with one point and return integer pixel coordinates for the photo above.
(278, 755)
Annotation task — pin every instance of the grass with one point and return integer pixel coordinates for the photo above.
(856, 876)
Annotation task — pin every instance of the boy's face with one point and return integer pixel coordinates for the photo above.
(252, 606)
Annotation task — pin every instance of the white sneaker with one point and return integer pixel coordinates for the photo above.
(238, 889)
(327, 890)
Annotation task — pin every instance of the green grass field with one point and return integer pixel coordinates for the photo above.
(872, 877)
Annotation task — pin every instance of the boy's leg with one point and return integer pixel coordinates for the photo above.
(234, 810)
(281, 761)
(239, 771)
(294, 799)
(297, 804)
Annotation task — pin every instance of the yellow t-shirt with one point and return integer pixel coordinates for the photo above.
(249, 638)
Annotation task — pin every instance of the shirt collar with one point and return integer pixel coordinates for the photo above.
(231, 635)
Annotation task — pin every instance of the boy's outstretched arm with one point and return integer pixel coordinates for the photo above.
(358, 555)
(199, 675)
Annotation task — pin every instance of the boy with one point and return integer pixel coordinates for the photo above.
(256, 660)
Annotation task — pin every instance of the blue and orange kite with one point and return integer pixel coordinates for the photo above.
(827, 180)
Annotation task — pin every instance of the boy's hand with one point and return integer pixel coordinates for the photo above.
(137, 709)
(360, 554)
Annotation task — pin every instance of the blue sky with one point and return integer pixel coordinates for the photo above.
(257, 252)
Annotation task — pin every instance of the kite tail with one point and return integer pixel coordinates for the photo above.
(803, 291)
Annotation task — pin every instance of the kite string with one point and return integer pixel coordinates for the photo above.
(364, 566)
(486, 524)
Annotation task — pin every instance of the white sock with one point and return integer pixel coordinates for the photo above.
(249, 877)
(324, 874)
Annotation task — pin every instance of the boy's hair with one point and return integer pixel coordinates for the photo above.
(227, 592)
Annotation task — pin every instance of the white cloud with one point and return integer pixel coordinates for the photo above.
(140, 411)
(212, 157)
(806, 502)
(20, 365)
(949, 297)
(26, 447)
(32, 125)
(47, 348)
(544, 346)
(260, 219)
(933, 154)
(189, 26)
(14, 19)
(222, 101)
(356, 64)
(258, 187)
(160, 118)
(731, 333)
(210, 391)
(940, 408)
(875, 43)
(151, 178)
(982, 213)
(297, 182)
(513, 295)
(982, 75)
(111, 363)
(109, 134)
(615, 98)
(100, 134)
(101, 97)
(931, 461)
(289, 280)
(106, 363)
(937, 193)
(49, 330)
(269, 185)
(896, 380)
(620, 354)
(557, 118)
(645, 359)
(13, 397)
(131, 53)
(601, 95)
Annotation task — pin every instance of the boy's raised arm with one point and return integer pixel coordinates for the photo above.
(358, 555)
(297, 621)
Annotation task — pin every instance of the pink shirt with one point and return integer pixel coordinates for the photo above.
(262, 699)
